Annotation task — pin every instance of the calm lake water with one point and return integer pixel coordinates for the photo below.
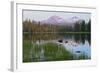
(78, 48)
(78, 45)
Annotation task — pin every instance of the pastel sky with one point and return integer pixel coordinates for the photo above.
(43, 15)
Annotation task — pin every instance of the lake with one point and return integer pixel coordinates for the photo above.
(78, 44)
(63, 47)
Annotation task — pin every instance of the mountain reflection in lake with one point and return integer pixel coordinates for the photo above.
(78, 44)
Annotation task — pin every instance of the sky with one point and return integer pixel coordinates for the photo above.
(44, 15)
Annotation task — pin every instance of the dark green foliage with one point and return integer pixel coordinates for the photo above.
(83, 26)
(26, 50)
(89, 26)
(77, 27)
(54, 52)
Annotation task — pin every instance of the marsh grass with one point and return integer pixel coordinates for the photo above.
(52, 52)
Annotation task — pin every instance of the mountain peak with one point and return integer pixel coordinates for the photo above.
(55, 17)
(60, 21)
(75, 17)
(55, 20)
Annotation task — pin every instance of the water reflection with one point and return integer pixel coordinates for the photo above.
(78, 44)
(78, 38)
(59, 46)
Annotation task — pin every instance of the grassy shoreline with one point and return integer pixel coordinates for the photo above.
(52, 52)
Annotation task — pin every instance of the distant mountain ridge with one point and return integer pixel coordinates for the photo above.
(60, 21)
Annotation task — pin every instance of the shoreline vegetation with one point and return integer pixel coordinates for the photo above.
(48, 52)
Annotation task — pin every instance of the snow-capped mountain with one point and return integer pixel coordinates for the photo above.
(54, 20)
(60, 21)
(74, 18)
